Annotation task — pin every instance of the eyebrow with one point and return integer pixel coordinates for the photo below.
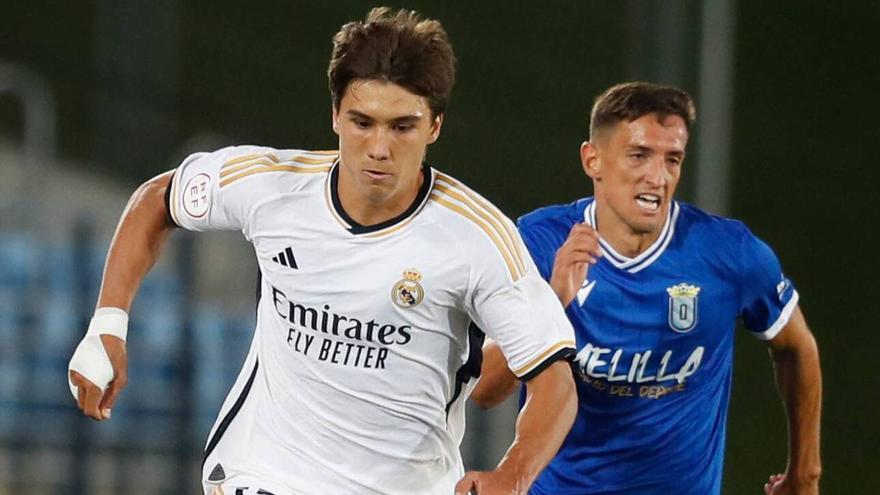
(405, 119)
(651, 150)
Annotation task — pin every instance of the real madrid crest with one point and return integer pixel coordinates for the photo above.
(407, 292)
(683, 307)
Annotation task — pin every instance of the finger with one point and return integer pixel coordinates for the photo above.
(574, 257)
(583, 227)
(109, 399)
(92, 397)
(468, 484)
(81, 383)
(582, 243)
(81, 397)
(583, 236)
(575, 264)
(112, 393)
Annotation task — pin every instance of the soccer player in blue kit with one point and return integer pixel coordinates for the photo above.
(653, 288)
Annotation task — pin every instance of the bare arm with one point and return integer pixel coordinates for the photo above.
(137, 242)
(497, 382)
(140, 235)
(543, 423)
(799, 379)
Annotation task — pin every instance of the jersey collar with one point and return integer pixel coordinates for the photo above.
(379, 229)
(643, 260)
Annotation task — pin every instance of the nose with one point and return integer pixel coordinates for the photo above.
(656, 175)
(379, 149)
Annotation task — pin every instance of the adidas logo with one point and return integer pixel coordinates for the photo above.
(217, 474)
(285, 258)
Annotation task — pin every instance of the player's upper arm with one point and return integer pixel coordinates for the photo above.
(767, 297)
(794, 336)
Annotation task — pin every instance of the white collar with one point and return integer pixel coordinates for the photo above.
(648, 256)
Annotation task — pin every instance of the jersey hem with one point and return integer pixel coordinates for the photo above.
(780, 322)
(168, 216)
(564, 353)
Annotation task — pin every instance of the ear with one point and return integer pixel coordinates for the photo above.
(590, 160)
(435, 128)
(335, 119)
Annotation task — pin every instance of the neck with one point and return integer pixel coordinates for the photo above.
(371, 205)
(622, 237)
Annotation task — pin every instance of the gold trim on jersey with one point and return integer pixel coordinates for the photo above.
(522, 370)
(245, 166)
(484, 215)
(488, 213)
(494, 211)
(267, 159)
(512, 267)
(242, 159)
(326, 157)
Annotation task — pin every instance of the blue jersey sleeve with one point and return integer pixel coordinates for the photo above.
(541, 244)
(767, 297)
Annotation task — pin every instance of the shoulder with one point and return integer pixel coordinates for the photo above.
(474, 212)
(728, 239)
(550, 225)
(696, 222)
(271, 167)
(555, 216)
(479, 225)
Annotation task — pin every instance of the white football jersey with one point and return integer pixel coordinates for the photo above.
(364, 352)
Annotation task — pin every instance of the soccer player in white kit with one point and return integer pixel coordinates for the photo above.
(374, 269)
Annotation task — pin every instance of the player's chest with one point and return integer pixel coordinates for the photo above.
(664, 306)
(657, 327)
(318, 263)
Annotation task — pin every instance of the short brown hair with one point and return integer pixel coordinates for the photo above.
(631, 100)
(397, 47)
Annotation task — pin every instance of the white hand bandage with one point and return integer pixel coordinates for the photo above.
(90, 358)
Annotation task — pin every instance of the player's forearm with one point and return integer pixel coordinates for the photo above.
(799, 379)
(137, 242)
(543, 423)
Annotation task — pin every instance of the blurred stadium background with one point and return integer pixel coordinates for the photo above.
(96, 97)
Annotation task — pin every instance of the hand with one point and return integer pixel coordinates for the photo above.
(490, 483)
(90, 399)
(779, 485)
(579, 251)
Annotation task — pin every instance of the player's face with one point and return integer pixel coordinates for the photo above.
(384, 131)
(635, 167)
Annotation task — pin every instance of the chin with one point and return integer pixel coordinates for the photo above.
(645, 228)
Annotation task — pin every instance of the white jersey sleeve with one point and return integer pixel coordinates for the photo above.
(508, 299)
(219, 190)
(524, 317)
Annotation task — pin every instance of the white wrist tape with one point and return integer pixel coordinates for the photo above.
(109, 321)
(90, 358)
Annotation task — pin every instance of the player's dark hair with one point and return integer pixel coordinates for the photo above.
(631, 100)
(398, 47)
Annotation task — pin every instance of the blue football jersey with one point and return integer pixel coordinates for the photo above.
(655, 347)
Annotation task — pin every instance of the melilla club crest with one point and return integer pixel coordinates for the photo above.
(407, 292)
(683, 307)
